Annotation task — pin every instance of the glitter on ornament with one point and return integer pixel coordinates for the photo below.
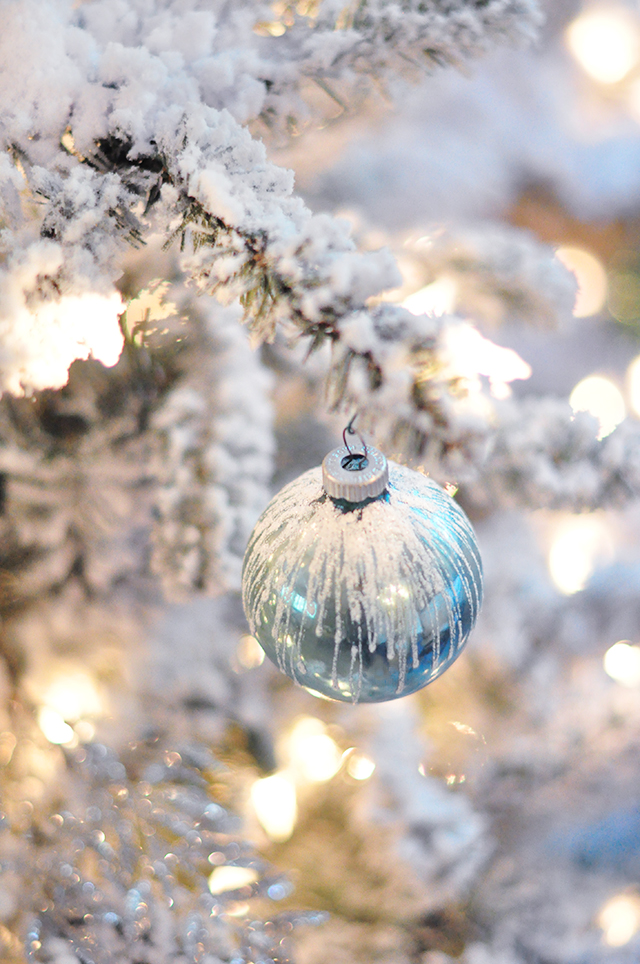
(366, 598)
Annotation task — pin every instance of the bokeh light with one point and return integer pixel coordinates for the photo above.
(602, 399)
(605, 41)
(73, 694)
(438, 298)
(619, 919)
(226, 878)
(54, 727)
(359, 766)
(633, 385)
(314, 757)
(469, 355)
(580, 543)
(622, 663)
(591, 278)
(249, 652)
(275, 805)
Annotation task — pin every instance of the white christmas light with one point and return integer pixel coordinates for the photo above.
(73, 695)
(226, 878)
(633, 384)
(314, 755)
(619, 919)
(438, 298)
(275, 805)
(359, 766)
(602, 399)
(606, 43)
(580, 542)
(469, 355)
(591, 278)
(249, 652)
(622, 663)
(54, 727)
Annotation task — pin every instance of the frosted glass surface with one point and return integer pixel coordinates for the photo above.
(363, 602)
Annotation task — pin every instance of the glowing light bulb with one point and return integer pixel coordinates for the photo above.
(605, 42)
(314, 756)
(580, 543)
(622, 663)
(226, 878)
(602, 399)
(591, 277)
(275, 805)
(359, 766)
(437, 299)
(619, 919)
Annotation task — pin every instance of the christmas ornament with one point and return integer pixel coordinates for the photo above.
(362, 580)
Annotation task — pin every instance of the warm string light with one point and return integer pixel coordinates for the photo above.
(619, 919)
(275, 805)
(591, 279)
(249, 652)
(68, 704)
(311, 757)
(436, 299)
(633, 385)
(622, 663)
(229, 877)
(579, 544)
(601, 398)
(605, 41)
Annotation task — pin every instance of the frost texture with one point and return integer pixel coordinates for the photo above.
(99, 896)
(145, 126)
(216, 456)
(400, 575)
(499, 274)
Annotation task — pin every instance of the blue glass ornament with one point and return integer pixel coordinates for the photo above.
(366, 598)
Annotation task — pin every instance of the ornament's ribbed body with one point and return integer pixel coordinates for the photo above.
(363, 602)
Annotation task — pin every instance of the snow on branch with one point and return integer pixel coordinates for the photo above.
(133, 148)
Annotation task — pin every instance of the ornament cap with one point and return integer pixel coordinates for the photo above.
(366, 478)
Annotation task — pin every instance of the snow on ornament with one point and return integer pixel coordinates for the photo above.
(362, 579)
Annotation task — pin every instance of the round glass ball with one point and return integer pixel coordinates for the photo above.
(364, 601)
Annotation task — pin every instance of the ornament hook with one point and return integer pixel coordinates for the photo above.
(354, 461)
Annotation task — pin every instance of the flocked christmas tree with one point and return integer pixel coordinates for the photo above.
(180, 335)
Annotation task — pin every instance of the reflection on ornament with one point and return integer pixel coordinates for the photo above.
(362, 582)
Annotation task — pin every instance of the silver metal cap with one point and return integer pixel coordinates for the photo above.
(354, 485)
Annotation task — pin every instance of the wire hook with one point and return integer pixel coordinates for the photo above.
(354, 460)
